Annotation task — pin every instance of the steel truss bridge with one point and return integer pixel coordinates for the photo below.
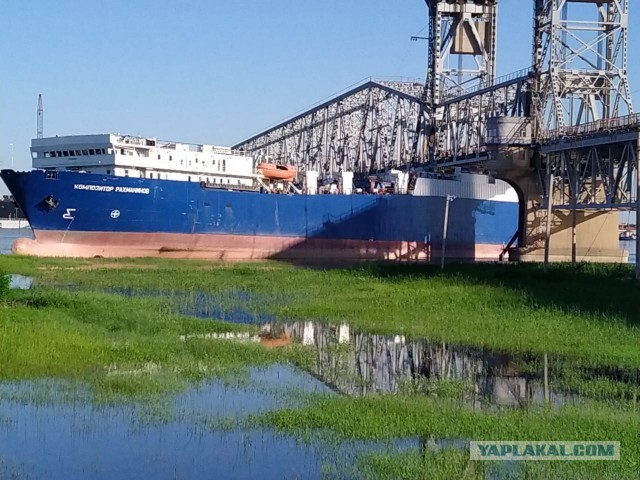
(570, 115)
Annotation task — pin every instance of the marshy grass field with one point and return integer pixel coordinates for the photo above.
(137, 331)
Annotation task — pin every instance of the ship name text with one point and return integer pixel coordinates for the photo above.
(111, 188)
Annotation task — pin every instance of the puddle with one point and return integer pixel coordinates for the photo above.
(58, 438)
(355, 363)
(207, 305)
(20, 282)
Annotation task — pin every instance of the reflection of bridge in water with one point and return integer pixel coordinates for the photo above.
(563, 132)
(356, 363)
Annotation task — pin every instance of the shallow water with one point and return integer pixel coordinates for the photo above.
(629, 246)
(45, 435)
(20, 282)
(357, 363)
(8, 236)
(195, 435)
(354, 362)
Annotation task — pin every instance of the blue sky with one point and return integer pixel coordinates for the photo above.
(209, 71)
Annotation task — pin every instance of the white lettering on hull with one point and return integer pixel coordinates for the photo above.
(111, 188)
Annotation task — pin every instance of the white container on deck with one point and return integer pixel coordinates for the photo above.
(311, 182)
(347, 183)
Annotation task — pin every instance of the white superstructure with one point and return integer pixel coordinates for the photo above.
(142, 157)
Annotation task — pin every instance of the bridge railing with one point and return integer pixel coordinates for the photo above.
(628, 122)
(461, 92)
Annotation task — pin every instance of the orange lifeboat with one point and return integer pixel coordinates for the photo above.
(268, 341)
(273, 171)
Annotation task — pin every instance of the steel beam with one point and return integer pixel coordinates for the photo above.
(580, 63)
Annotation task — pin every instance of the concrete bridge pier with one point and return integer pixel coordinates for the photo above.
(596, 231)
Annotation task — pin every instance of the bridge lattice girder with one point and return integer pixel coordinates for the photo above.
(371, 127)
(380, 125)
(572, 112)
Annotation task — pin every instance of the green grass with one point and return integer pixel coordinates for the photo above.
(4, 286)
(450, 464)
(389, 417)
(127, 348)
(590, 312)
(121, 347)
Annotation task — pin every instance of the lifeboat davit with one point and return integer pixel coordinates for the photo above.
(273, 171)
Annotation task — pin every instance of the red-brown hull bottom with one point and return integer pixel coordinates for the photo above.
(238, 247)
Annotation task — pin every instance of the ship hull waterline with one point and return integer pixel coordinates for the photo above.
(52, 243)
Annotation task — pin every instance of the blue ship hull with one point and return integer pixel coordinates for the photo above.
(77, 214)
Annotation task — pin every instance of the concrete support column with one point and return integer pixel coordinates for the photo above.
(596, 231)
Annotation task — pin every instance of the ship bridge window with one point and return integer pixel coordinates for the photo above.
(47, 154)
(65, 153)
(224, 165)
(92, 151)
(85, 152)
(58, 154)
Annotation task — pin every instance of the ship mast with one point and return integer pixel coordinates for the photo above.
(40, 117)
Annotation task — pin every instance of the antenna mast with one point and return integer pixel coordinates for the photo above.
(40, 116)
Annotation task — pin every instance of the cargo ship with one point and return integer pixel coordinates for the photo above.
(120, 196)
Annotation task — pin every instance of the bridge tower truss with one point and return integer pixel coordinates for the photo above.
(580, 63)
(462, 47)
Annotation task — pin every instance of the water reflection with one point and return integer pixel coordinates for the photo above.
(357, 363)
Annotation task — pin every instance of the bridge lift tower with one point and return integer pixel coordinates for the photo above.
(461, 59)
(580, 62)
(462, 47)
